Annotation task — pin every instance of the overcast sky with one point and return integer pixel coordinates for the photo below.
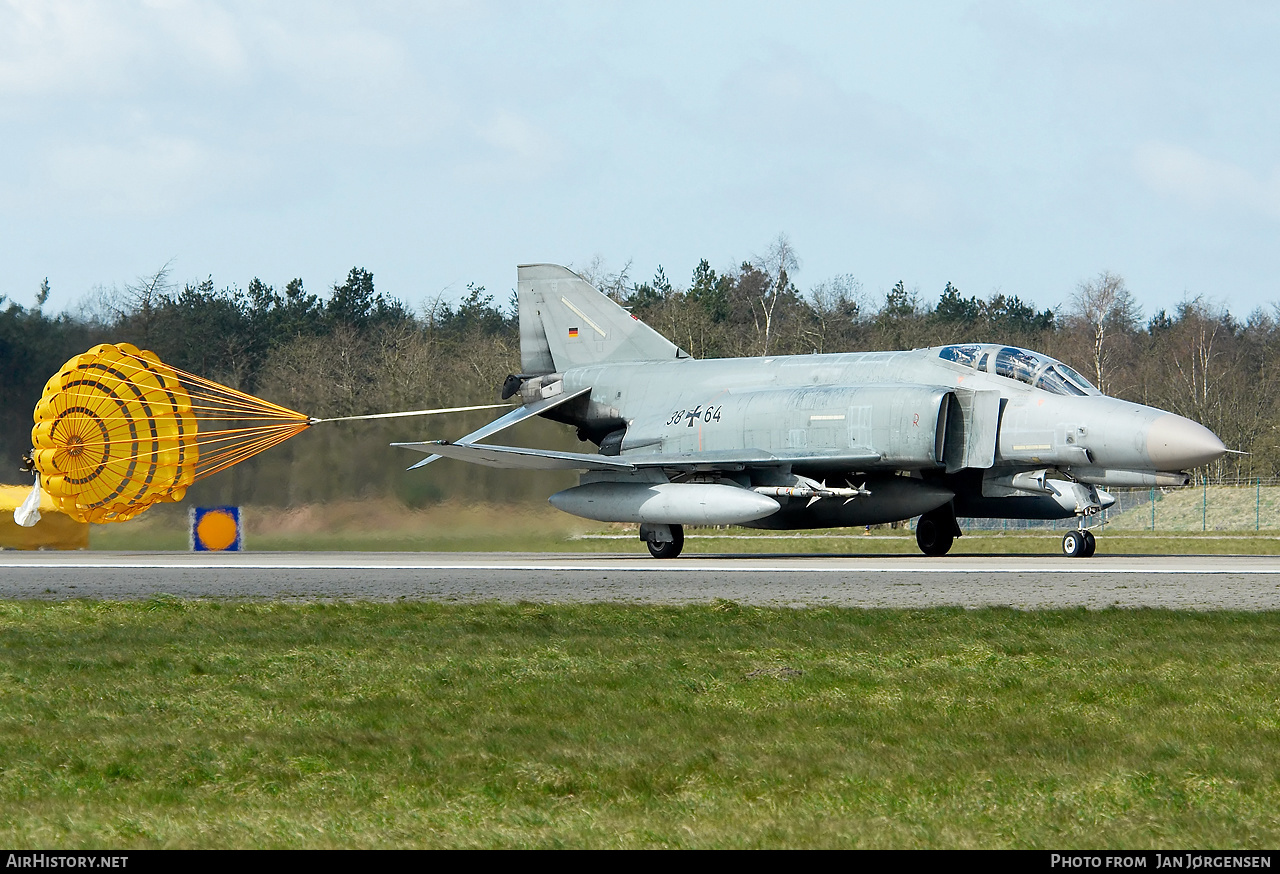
(1013, 146)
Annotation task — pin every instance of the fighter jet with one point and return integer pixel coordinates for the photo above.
(817, 441)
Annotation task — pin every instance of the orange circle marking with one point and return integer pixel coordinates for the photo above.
(217, 530)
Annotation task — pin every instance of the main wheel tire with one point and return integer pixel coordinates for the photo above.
(1090, 544)
(671, 548)
(1073, 544)
(932, 537)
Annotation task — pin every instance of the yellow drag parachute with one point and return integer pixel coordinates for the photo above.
(116, 431)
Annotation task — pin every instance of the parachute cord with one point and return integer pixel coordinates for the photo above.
(314, 421)
(229, 400)
(127, 431)
(210, 390)
(231, 455)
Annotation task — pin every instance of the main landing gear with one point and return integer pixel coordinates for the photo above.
(664, 541)
(937, 530)
(1079, 544)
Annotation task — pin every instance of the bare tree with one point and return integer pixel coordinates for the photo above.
(778, 264)
(1201, 325)
(616, 285)
(139, 301)
(1105, 307)
(837, 303)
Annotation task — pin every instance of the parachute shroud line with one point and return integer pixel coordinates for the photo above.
(413, 413)
(116, 431)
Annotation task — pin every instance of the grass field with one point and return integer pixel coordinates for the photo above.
(373, 525)
(382, 526)
(1218, 508)
(210, 724)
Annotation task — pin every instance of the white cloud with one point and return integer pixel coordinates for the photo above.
(203, 34)
(62, 46)
(836, 145)
(519, 138)
(1205, 183)
(150, 177)
(79, 47)
(512, 148)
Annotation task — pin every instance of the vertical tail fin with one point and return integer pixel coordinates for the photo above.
(565, 322)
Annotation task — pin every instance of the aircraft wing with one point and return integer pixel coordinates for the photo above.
(517, 415)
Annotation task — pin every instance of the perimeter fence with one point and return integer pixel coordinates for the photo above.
(1211, 505)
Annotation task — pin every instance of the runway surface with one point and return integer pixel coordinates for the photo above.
(1181, 582)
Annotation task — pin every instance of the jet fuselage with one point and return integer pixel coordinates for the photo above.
(979, 430)
(820, 409)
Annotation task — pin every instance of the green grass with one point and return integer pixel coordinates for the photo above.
(369, 526)
(1229, 508)
(1118, 543)
(197, 724)
(902, 542)
(385, 526)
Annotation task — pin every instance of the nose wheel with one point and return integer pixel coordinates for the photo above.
(1079, 544)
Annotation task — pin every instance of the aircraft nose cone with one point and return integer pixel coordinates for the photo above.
(1175, 443)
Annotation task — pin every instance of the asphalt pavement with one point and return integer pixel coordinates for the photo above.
(1208, 582)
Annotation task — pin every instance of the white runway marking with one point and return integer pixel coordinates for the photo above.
(748, 563)
(1021, 581)
(666, 567)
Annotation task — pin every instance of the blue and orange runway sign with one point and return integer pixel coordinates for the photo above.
(216, 529)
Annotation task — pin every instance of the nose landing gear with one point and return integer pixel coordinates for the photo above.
(1079, 544)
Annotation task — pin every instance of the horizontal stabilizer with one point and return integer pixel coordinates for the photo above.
(546, 459)
(518, 457)
(511, 418)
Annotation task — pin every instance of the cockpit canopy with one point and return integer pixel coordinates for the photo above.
(1039, 371)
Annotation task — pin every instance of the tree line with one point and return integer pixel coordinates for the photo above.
(351, 350)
